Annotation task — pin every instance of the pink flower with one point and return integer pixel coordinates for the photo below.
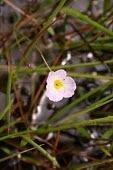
(59, 86)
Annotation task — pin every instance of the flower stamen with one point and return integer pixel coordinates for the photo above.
(58, 84)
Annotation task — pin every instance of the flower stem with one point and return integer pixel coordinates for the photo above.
(38, 50)
(43, 58)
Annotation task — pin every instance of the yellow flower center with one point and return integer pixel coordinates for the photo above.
(58, 84)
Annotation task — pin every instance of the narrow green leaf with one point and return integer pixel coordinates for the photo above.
(52, 159)
(87, 19)
(108, 133)
(13, 155)
(5, 110)
(83, 131)
(96, 105)
(105, 150)
(23, 142)
(8, 93)
(74, 103)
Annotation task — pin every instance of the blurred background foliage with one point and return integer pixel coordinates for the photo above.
(75, 133)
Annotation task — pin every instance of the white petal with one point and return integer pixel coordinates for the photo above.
(55, 95)
(70, 87)
(61, 74)
(50, 76)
